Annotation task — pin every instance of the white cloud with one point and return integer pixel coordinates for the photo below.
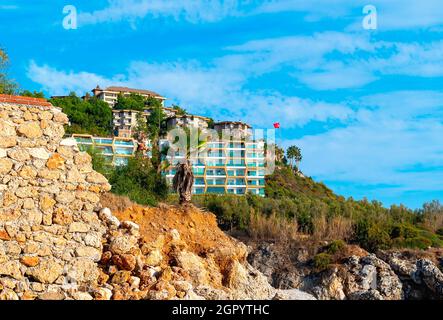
(192, 11)
(388, 140)
(205, 90)
(392, 14)
(62, 82)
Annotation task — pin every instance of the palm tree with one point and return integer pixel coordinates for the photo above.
(184, 177)
(294, 154)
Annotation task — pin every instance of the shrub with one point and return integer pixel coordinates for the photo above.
(322, 261)
(413, 243)
(440, 232)
(336, 246)
(139, 181)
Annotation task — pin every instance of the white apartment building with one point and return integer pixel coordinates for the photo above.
(110, 94)
(125, 121)
(187, 121)
(237, 128)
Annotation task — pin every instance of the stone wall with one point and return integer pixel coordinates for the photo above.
(50, 233)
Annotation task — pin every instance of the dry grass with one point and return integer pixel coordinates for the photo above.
(336, 228)
(433, 222)
(274, 228)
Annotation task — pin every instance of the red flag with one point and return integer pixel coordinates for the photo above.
(277, 125)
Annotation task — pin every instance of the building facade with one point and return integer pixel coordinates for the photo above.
(110, 94)
(125, 121)
(226, 167)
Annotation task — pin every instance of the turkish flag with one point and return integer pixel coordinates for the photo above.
(277, 125)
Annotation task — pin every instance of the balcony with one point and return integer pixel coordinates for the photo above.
(215, 182)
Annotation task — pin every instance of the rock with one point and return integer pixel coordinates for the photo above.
(154, 258)
(103, 294)
(30, 261)
(7, 135)
(82, 296)
(88, 252)
(39, 153)
(123, 244)
(431, 276)
(52, 296)
(68, 142)
(47, 203)
(5, 166)
(124, 262)
(293, 294)
(121, 277)
(8, 294)
(47, 271)
(28, 172)
(79, 227)
(107, 217)
(56, 161)
(11, 269)
(19, 154)
(30, 130)
(96, 177)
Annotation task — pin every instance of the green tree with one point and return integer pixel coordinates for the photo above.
(294, 154)
(133, 101)
(139, 181)
(180, 110)
(7, 86)
(89, 117)
(33, 94)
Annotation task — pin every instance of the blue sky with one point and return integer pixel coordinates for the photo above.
(365, 106)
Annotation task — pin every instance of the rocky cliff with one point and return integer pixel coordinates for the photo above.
(357, 274)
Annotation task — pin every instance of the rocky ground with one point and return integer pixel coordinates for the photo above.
(387, 275)
(178, 253)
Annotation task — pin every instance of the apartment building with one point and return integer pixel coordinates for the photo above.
(116, 151)
(110, 94)
(125, 121)
(226, 167)
(238, 129)
(187, 121)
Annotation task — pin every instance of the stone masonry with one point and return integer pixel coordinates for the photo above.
(50, 235)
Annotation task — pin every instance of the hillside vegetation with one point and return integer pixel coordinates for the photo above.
(300, 207)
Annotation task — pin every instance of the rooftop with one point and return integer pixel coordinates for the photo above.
(130, 90)
(233, 122)
(4, 98)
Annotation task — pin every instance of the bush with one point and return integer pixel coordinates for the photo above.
(322, 261)
(413, 243)
(139, 181)
(336, 246)
(440, 232)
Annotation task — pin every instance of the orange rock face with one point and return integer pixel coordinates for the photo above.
(56, 161)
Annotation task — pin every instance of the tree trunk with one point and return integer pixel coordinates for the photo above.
(184, 181)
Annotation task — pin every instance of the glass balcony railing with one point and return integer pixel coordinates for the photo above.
(124, 151)
(215, 182)
(235, 164)
(122, 143)
(103, 141)
(219, 173)
(199, 181)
